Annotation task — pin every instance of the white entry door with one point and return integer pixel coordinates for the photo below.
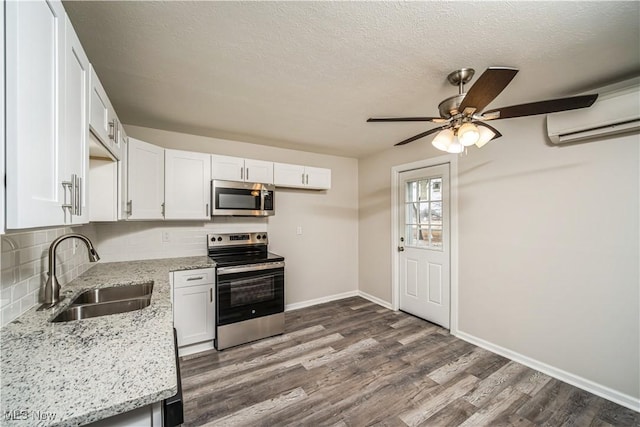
(423, 247)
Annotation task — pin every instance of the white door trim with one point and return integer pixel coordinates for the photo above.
(452, 160)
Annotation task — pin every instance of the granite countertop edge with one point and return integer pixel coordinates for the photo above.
(135, 348)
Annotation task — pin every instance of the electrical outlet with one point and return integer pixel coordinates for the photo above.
(299, 230)
(165, 237)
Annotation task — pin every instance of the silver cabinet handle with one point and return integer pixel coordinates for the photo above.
(74, 195)
(247, 174)
(129, 210)
(79, 196)
(210, 294)
(65, 205)
(303, 178)
(242, 174)
(162, 205)
(307, 179)
(112, 129)
(206, 210)
(189, 279)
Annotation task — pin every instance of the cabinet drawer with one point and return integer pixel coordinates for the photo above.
(185, 278)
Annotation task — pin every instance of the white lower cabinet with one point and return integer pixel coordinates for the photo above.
(147, 416)
(194, 309)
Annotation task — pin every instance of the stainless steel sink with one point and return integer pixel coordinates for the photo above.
(114, 293)
(103, 309)
(105, 301)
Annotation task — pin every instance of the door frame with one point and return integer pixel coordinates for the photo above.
(452, 160)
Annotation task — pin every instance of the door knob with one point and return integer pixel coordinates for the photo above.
(400, 248)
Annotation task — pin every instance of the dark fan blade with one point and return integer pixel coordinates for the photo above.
(404, 119)
(418, 136)
(544, 107)
(491, 128)
(487, 87)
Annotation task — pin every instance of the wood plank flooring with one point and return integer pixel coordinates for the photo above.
(354, 363)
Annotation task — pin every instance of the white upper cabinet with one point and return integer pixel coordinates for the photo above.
(317, 178)
(145, 181)
(75, 152)
(297, 176)
(99, 107)
(187, 184)
(238, 169)
(44, 182)
(258, 171)
(103, 121)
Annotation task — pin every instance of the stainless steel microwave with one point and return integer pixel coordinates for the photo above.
(233, 198)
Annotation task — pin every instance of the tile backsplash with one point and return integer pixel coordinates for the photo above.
(24, 264)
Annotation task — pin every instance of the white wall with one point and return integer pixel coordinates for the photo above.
(320, 263)
(548, 248)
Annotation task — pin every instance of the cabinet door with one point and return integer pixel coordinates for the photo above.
(34, 37)
(74, 158)
(193, 314)
(287, 175)
(258, 171)
(187, 184)
(317, 178)
(146, 180)
(227, 168)
(99, 110)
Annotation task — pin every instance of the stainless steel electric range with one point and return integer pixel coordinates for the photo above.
(249, 288)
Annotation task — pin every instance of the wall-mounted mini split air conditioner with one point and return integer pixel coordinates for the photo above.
(616, 111)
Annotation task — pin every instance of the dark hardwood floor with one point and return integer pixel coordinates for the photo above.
(354, 363)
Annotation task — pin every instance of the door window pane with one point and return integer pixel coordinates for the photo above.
(423, 213)
(436, 188)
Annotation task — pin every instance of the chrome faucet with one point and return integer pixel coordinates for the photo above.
(52, 287)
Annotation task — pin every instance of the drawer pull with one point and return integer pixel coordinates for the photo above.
(195, 278)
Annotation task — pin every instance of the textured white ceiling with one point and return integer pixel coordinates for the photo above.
(306, 75)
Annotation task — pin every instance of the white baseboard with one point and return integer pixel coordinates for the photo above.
(575, 380)
(376, 300)
(321, 300)
(195, 348)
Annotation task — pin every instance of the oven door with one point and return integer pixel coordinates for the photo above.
(249, 291)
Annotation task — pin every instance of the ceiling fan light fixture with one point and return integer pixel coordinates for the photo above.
(443, 140)
(486, 135)
(456, 147)
(468, 134)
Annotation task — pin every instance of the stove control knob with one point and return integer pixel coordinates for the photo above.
(219, 239)
(264, 236)
(213, 239)
(259, 237)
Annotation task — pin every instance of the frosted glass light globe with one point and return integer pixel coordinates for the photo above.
(456, 147)
(443, 140)
(486, 135)
(468, 134)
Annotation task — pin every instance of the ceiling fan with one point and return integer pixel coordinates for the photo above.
(462, 120)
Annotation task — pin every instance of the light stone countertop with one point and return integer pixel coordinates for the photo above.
(86, 370)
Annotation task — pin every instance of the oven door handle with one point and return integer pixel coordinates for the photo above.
(252, 267)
